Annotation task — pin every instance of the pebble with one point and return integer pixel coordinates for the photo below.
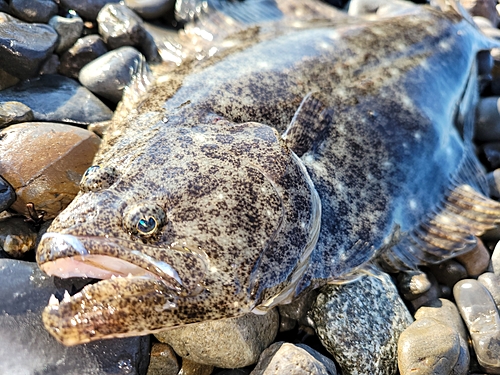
(492, 283)
(482, 8)
(87, 9)
(150, 9)
(7, 80)
(495, 259)
(24, 47)
(493, 179)
(359, 323)
(492, 153)
(14, 113)
(448, 272)
(108, 75)
(59, 99)
(286, 358)
(429, 296)
(475, 261)
(445, 312)
(480, 314)
(297, 310)
(119, 26)
(44, 163)
(84, 50)
(488, 120)
(68, 29)
(7, 195)
(17, 237)
(193, 368)
(412, 284)
(33, 10)
(27, 348)
(162, 360)
(227, 343)
(50, 65)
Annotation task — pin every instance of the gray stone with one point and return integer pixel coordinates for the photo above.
(492, 283)
(488, 120)
(108, 75)
(4, 7)
(119, 26)
(85, 50)
(162, 360)
(413, 284)
(480, 314)
(24, 47)
(449, 272)
(68, 29)
(51, 65)
(14, 113)
(17, 237)
(59, 99)
(27, 348)
(150, 9)
(7, 195)
(298, 308)
(87, 9)
(286, 358)
(227, 343)
(359, 323)
(495, 259)
(493, 179)
(33, 10)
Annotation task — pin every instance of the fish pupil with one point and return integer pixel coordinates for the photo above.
(146, 226)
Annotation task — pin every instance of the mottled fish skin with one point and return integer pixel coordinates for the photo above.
(203, 195)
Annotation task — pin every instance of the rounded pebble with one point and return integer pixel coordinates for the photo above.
(495, 259)
(492, 283)
(493, 179)
(109, 74)
(16, 236)
(68, 29)
(412, 284)
(33, 10)
(85, 50)
(7, 195)
(44, 163)
(150, 9)
(285, 358)
(13, 113)
(449, 272)
(480, 314)
(87, 9)
(475, 261)
(227, 343)
(488, 120)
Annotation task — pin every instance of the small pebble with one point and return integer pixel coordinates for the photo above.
(475, 261)
(359, 323)
(493, 179)
(480, 314)
(193, 368)
(119, 26)
(13, 113)
(108, 75)
(68, 29)
(17, 237)
(7, 195)
(413, 284)
(33, 10)
(488, 120)
(286, 358)
(57, 98)
(150, 9)
(24, 47)
(50, 65)
(492, 283)
(227, 343)
(85, 50)
(448, 272)
(48, 172)
(87, 9)
(162, 360)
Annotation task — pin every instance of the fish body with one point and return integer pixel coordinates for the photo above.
(281, 166)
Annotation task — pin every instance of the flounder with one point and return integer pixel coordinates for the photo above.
(288, 162)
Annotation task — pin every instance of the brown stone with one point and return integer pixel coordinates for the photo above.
(193, 368)
(44, 163)
(476, 261)
(162, 360)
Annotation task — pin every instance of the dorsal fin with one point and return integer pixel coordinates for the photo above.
(309, 123)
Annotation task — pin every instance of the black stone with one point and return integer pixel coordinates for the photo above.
(83, 51)
(33, 10)
(7, 195)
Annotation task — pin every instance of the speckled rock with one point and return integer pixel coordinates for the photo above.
(480, 314)
(59, 99)
(85, 50)
(285, 358)
(108, 75)
(495, 259)
(359, 323)
(488, 120)
(24, 46)
(119, 26)
(449, 272)
(475, 261)
(7, 195)
(13, 113)
(48, 171)
(162, 360)
(27, 348)
(33, 10)
(150, 9)
(87, 9)
(492, 283)
(17, 236)
(482, 8)
(226, 343)
(68, 29)
(412, 284)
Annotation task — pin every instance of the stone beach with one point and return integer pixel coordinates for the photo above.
(442, 319)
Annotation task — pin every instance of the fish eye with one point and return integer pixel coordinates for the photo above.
(144, 219)
(147, 226)
(97, 178)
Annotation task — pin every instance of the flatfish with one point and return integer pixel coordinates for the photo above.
(291, 160)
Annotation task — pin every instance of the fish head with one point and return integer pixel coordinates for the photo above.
(198, 223)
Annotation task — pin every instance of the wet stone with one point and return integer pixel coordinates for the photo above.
(150, 9)
(17, 237)
(33, 10)
(85, 50)
(87, 9)
(59, 99)
(413, 284)
(24, 46)
(13, 113)
(286, 358)
(488, 120)
(359, 323)
(119, 26)
(449, 272)
(492, 283)
(162, 360)
(7, 195)
(27, 348)
(108, 75)
(48, 172)
(480, 314)
(68, 29)
(226, 343)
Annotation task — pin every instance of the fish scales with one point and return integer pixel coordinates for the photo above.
(278, 167)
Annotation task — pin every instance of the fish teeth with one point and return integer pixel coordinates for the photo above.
(53, 301)
(67, 297)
